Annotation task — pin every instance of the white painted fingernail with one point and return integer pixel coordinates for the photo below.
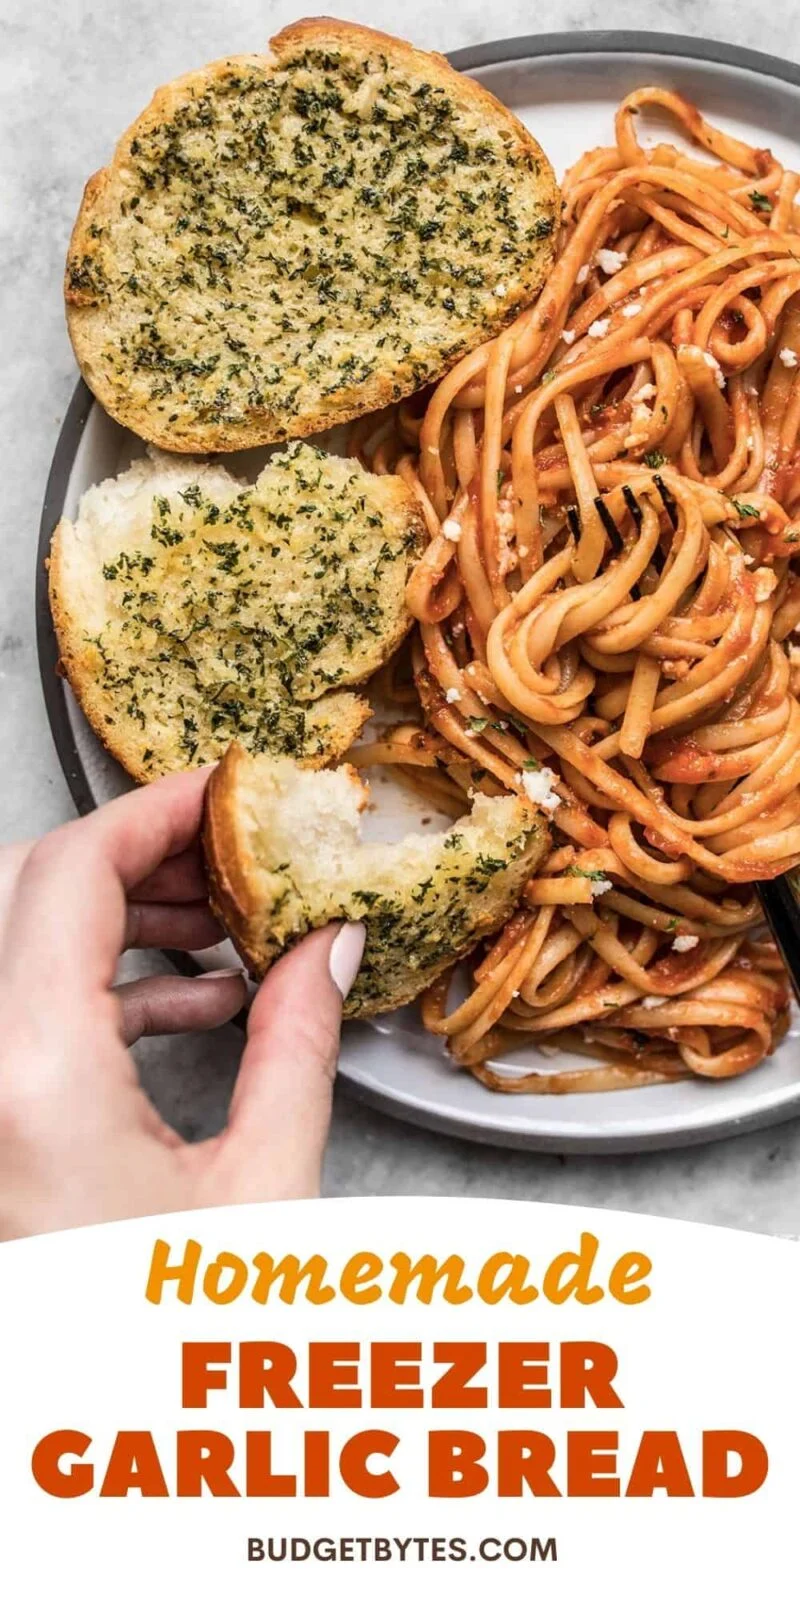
(222, 972)
(345, 957)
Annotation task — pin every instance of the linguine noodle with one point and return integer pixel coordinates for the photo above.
(604, 610)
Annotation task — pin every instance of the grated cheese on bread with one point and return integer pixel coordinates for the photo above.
(191, 609)
(285, 241)
(283, 855)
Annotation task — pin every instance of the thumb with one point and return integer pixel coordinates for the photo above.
(281, 1107)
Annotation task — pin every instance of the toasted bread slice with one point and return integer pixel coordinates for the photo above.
(192, 610)
(289, 240)
(283, 854)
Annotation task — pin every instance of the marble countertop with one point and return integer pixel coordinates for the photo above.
(73, 73)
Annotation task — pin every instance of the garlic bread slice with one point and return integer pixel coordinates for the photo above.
(284, 856)
(192, 610)
(285, 241)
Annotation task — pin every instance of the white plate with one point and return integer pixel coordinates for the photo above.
(566, 89)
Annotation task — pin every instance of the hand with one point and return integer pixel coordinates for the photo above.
(79, 1140)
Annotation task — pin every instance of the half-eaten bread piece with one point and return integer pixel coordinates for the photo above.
(288, 240)
(192, 610)
(284, 856)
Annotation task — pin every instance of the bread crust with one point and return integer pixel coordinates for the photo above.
(87, 322)
(230, 890)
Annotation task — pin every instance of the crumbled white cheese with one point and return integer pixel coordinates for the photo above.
(538, 787)
(650, 1001)
(518, 388)
(712, 362)
(641, 419)
(648, 391)
(522, 550)
(766, 581)
(500, 290)
(641, 414)
(601, 886)
(684, 942)
(568, 337)
(515, 994)
(505, 518)
(452, 696)
(610, 261)
(787, 356)
(599, 329)
(451, 529)
(582, 274)
(504, 523)
(633, 309)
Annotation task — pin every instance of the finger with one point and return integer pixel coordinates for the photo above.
(179, 878)
(179, 1005)
(12, 860)
(281, 1107)
(73, 882)
(151, 927)
(140, 830)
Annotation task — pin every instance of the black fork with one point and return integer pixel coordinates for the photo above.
(614, 536)
(780, 902)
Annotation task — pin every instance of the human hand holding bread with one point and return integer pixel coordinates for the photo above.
(79, 1140)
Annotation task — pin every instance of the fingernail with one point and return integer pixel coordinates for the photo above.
(222, 972)
(345, 957)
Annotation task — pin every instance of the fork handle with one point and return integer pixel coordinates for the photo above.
(780, 900)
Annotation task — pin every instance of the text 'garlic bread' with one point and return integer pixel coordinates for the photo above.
(191, 610)
(284, 856)
(286, 241)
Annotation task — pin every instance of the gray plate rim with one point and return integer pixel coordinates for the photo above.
(473, 57)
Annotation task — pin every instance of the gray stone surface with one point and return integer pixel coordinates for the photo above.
(72, 74)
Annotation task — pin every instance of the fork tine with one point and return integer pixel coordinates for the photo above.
(668, 502)
(574, 522)
(633, 505)
(609, 524)
(656, 559)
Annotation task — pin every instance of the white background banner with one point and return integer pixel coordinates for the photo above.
(711, 1350)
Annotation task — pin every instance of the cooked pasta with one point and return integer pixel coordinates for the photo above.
(605, 610)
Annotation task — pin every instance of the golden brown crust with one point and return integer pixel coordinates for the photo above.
(73, 665)
(265, 426)
(230, 886)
